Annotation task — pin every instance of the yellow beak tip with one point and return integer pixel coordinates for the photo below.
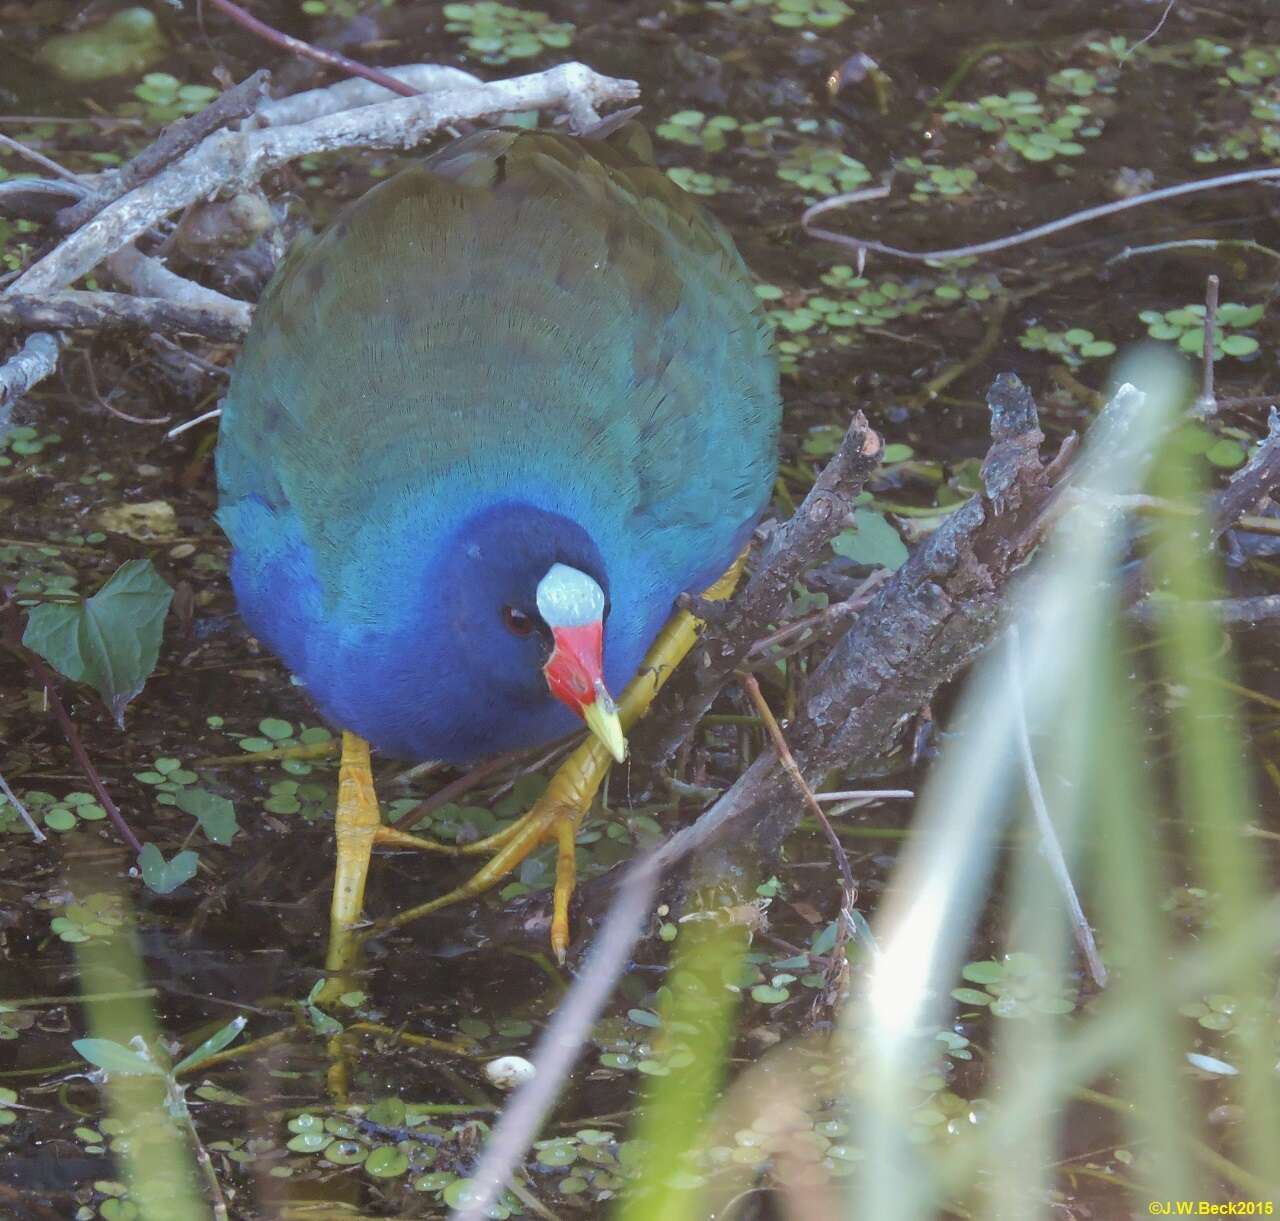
(602, 719)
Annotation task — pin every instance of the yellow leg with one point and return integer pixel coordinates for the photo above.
(557, 814)
(356, 824)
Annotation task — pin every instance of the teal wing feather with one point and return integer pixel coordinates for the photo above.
(521, 306)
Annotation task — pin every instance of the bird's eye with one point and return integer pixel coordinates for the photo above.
(517, 622)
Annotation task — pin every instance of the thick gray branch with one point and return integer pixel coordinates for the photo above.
(150, 278)
(175, 140)
(98, 311)
(352, 94)
(729, 636)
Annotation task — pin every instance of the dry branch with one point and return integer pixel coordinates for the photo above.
(200, 159)
(1258, 478)
(732, 633)
(351, 95)
(230, 161)
(176, 139)
(101, 311)
(149, 277)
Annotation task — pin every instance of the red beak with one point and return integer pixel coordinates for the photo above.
(576, 664)
(575, 675)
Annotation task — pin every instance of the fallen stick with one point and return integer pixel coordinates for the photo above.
(229, 161)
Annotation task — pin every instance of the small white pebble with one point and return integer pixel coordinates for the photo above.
(506, 1072)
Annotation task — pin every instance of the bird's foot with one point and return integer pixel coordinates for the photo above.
(554, 817)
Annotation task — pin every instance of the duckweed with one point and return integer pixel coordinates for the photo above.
(498, 33)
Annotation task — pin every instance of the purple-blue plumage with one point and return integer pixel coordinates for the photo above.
(530, 350)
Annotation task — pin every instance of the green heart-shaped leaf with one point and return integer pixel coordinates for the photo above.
(110, 641)
(163, 876)
(216, 815)
(872, 541)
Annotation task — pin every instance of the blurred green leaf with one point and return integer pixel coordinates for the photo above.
(113, 1057)
(212, 1045)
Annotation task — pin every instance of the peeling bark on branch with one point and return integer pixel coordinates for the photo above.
(729, 636)
(98, 311)
(923, 626)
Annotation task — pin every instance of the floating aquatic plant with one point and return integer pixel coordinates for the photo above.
(1074, 345)
(698, 182)
(822, 170)
(497, 33)
(1185, 327)
(1026, 125)
(165, 98)
(795, 14)
(698, 130)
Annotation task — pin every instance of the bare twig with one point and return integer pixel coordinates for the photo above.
(179, 429)
(861, 245)
(752, 687)
(1234, 612)
(819, 621)
(176, 139)
(1146, 38)
(12, 637)
(454, 789)
(1050, 844)
(1251, 523)
(1212, 244)
(38, 158)
(233, 161)
(306, 50)
(23, 813)
(105, 403)
(1206, 405)
(864, 795)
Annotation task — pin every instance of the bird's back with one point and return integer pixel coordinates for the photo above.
(526, 316)
(524, 305)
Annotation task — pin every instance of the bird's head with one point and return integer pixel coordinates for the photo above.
(527, 600)
(572, 606)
